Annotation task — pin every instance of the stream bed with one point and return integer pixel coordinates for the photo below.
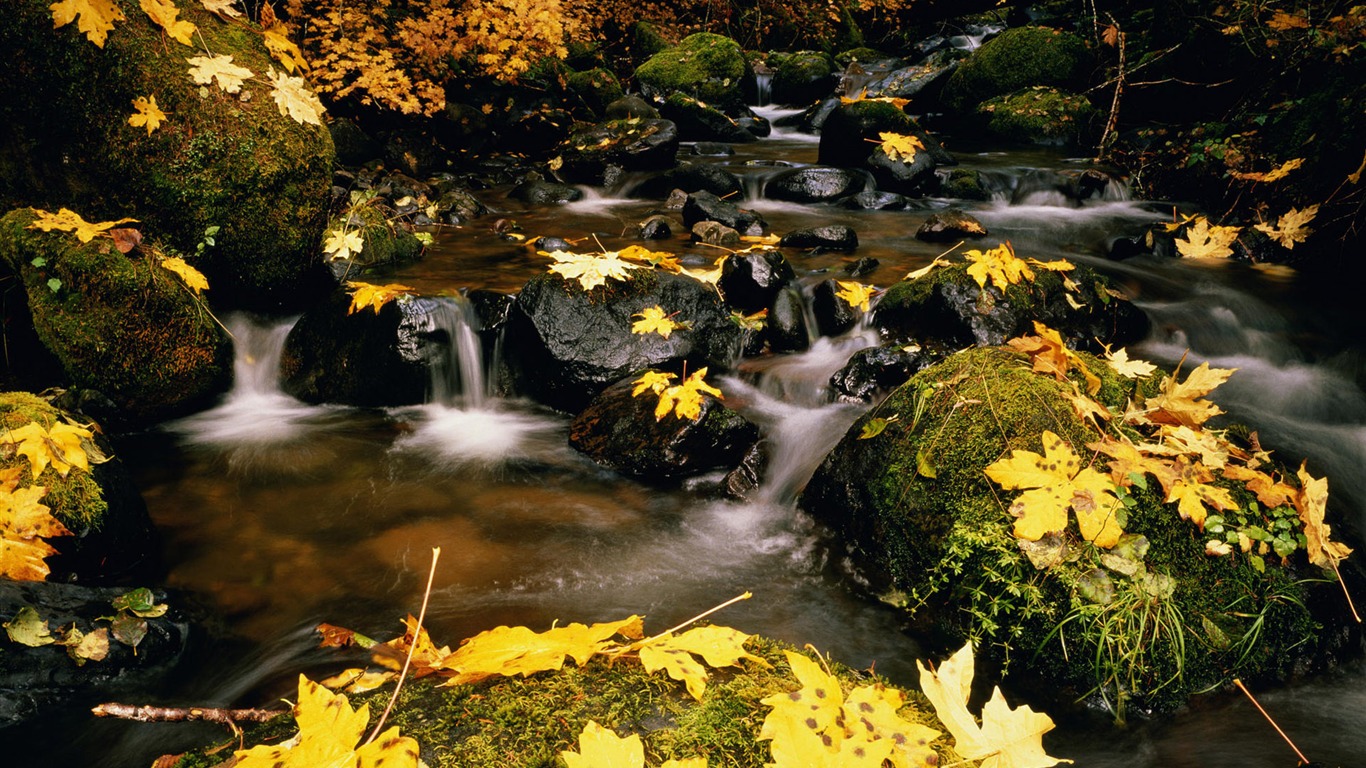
(281, 515)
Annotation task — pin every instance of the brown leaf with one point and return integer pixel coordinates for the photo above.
(126, 239)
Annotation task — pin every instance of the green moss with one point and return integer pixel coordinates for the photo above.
(122, 326)
(965, 184)
(1040, 115)
(528, 721)
(706, 66)
(595, 88)
(76, 500)
(1018, 58)
(647, 39)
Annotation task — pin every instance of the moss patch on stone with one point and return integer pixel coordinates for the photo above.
(1018, 58)
(706, 66)
(76, 500)
(1040, 115)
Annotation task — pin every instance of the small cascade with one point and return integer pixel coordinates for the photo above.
(458, 373)
(763, 88)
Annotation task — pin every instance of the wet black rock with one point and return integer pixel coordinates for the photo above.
(925, 79)
(748, 475)
(624, 144)
(832, 237)
(876, 200)
(619, 431)
(817, 184)
(864, 266)
(750, 281)
(787, 329)
(550, 244)
(691, 177)
(834, 315)
(803, 77)
(950, 226)
(655, 228)
(898, 174)
(710, 149)
(704, 206)
(535, 190)
(875, 370)
(853, 130)
(699, 121)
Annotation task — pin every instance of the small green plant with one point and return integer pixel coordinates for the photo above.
(208, 241)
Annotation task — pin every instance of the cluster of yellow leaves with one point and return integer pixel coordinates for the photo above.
(329, 730)
(900, 147)
(654, 320)
(1054, 483)
(591, 270)
(1206, 241)
(1050, 355)
(67, 220)
(818, 726)
(601, 748)
(1006, 738)
(59, 447)
(1290, 227)
(661, 259)
(854, 294)
(375, 296)
(24, 524)
(684, 399)
(1003, 268)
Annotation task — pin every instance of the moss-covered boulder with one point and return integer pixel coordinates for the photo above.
(948, 308)
(593, 90)
(1019, 58)
(597, 154)
(230, 160)
(851, 132)
(705, 66)
(1040, 115)
(123, 326)
(112, 536)
(528, 722)
(1146, 622)
(803, 77)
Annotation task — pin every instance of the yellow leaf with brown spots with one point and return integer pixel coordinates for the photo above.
(1312, 503)
(1054, 483)
(1188, 485)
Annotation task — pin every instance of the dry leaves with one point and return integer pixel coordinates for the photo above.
(96, 17)
(147, 114)
(295, 99)
(1204, 241)
(375, 296)
(68, 220)
(591, 270)
(999, 265)
(163, 13)
(1290, 227)
(207, 69)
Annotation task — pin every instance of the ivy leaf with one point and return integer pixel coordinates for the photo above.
(899, 146)
(295, 99)
(1290, 227)
(147, 114)
(1053, 483)
(341, 245)
(1000, 265)
(601, 748)
(164, 13)
(1120, 363)
(718, 646)
(59, 446)
(1007, 738)
(1182, 403)
(1312, 503)
(68, 220)
(1204, 241)
(97, 17)
(376, 296)
(591, 270)
(854, 294)
(328, 731)
(191, 277)
(654, 320)
(28, 628)
(225, 8)
(685, 399)
(284, 50)
(206, 69)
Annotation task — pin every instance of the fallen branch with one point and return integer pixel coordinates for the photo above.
(147, 714)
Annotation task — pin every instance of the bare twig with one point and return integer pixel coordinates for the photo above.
(407, 662)
(147, 714)
(1303, 760)
(1113, 120)
(697, 618)
(1350, 604)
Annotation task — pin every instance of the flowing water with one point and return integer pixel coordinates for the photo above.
(281, 515)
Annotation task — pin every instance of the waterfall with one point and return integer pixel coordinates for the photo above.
(763, 88)
(457, 367)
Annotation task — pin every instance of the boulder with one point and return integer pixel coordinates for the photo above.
(535, 190)
(619, 431)
(704, 66)
(927, 77)
(715, 233)
(832, 237)
(947, 307)
(816, 184)
(750, 281)
(656, 228)
(1144, 622)
(565, 344)
(691, 177)
(596, 89)
(787, 329)
(630, 106)
(633, 145)
(876, 200)
(899, 174)
(833, 314)
(704, 206)
(852, 131)
(227, 160)
(1041, 115)
(1019, 58)
(873, 371)
(803, 77)
(121, 325)
(699, 121)
(950, 226)
(385, 244)
(965, 184)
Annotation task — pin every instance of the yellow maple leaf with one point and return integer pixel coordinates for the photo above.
(147, 114)
(665, 261)
(654, 320)
(97, 17)
(328, 731)
(818, 703)
(1210, 447)
(591, 270)
(854, 294)
(1006, 738)
(191, 277)
(1120, 363)
(601, 748)
(1204, 241)
(1051, 355)
(207, 69)
(1056, 265)
(376, 296)
(1128, 460)
(284, 50)
(899, 146)
(1312, 503)
(1187, 484)
(718, 646)
(164, 13)
(341, 244)
(654, 381)
(294, 98)
(59, 446)
(1000, 265)
(24, 524)
(1270, 492)
(68, 220)
(685, 399)
(509, 651)
(225, 8)
(1275, 174)
(1284, 22)
(1290, 227)
(1052, 484)
(1182, 403)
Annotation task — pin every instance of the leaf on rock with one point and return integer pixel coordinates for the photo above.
(68, 220)
(718, 647)
(665, 261)
(1188, 485)
(328, 731)
(1183, 403)
(295, 99)
(342, 245)
(1050, 355)
(227, 8)
(284, 50)
(509, 651)
(1000, 265)
(900, 147)
(59, 446)
(1312, 503)
(654, 320)
(140, 602)
(1290, 227)
(1209, 446)
(1269, 492)
(376, 296)
(86, 646)
(654, 381)
(28, 628)
(816, 706)
(97, 17)
(601, 748)
(685, 399)
(126, 239)
(1120, 363)
(164, 13)
(916, 274)
(24, 524)
(147, 114)
(1275, 174)
(854, 294)
(207, 69)
(191, 277)
(1054, 483)
(1203, 241)
(1007, 738)
(591, 270)
(1129, 460)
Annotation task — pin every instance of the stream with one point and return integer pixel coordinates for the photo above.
(281, 515)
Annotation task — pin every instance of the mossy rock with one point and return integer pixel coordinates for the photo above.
(122, 326)
(647, 40)
(1040, 115)
(1019, 58)
(927, 527)
(803, 77)
(219, 159)
(705, 66)
(595, 89)
(386, 243)
(528, 722)
(112, 533)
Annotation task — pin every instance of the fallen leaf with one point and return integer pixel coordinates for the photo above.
(68, 220)
(509, 651)
(1312, 504)
(665, 261)
(654, 320)
(1050, 355)
(999, 265)
(24, 524)
(900, 147)
(59, 446)
(654, 381)
(718, 646)
(1269, 491)
(295, 99)
(207, 69)
(1203, 241)
(592, 270)
(375, 296)
(1290, 227)
(147, 114)
(685, 399)
(1120, 363)
(916, 274)
(341, 245)
(125, 239)
(97, 17)
(164, 13)
(854, 294)
(601, 748)
(191, 277)
(1052, 484)
(1276, 174)
(1188, 485)
(1183, 403)
(86, 646)
(28, 628)
(222, 7)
